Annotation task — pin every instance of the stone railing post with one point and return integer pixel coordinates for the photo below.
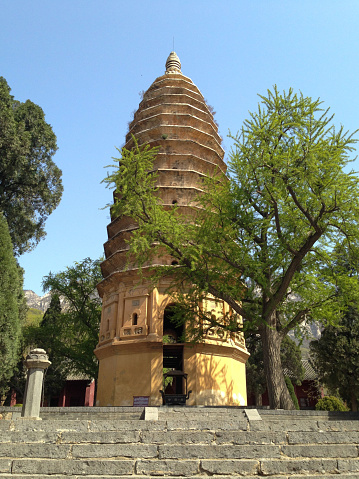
(36, 363)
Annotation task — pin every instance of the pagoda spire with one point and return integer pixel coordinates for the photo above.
(173, 63)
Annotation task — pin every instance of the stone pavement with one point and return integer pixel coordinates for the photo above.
(114, 443)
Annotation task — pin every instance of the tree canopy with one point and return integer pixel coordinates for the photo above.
(69, 331)
(263, 238)
(30, 182)
(12, 307)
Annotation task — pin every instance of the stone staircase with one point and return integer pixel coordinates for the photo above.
(114, 443)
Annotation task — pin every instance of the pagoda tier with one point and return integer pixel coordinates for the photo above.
(173, 116)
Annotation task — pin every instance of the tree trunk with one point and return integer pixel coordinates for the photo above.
(279, 397)
(354, 403)
(258, 399)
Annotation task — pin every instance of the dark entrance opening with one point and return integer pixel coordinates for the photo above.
(172, 351)
(171, 329)
(173, 360)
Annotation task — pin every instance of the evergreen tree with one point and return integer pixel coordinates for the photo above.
(30, 182)
(12, 308)
(336, 357)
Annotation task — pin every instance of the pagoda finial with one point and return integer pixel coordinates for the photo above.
(173, 63)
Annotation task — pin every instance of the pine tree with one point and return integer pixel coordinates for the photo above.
(11, 308)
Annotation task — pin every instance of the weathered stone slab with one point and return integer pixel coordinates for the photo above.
(53, 451)
(201, 411)
(177, 437)
(218, 452)
(250, 437)
(29, 437)
(299, 466)
(313, 450)
(41, 476)
(240, 467)
(252, 415)
(5, 425)
(5, 465)
(348, 465)
(104, 437)
(338, 425)
(51, 426)
(151, 414)
(72, 467)
(203, 424)
(321, 476)
(134, 425)
(114, 450)
(324, 437)
(279, 426)
(166, 467)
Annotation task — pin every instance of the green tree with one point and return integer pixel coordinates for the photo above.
(51, 335)
(73, 331)
(30, 182)
(336, 357)
(263, 239)
(12, 308)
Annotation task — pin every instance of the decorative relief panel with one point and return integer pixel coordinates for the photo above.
(135, 314)
(109, 317)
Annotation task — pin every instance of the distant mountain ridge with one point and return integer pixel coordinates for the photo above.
(43, 302)
(37, 302)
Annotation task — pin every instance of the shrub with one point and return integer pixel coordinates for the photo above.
(330, 403)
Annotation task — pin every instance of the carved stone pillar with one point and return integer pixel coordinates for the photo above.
(36, 363)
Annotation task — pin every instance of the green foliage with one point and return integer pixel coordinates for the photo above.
(256, 381)
(34, 316)
(49, 335)
(291, 358)
(30, 182)
(169, 380)
(12, 308)
(69, 333)
(330, 403)
(336, 357)
(264, 238)
(291, 392)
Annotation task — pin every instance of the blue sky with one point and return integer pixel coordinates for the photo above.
(85, 62)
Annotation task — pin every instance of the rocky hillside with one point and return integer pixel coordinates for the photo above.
(38, 302)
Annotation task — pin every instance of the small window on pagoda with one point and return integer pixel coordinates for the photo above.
(174, 263)
(134, 319)
(174, 202)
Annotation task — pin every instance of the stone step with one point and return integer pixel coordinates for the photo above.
(153, 435)
(271, 468)
(185, 442)
(270, 414)
(101, 476)
(173, 451)
(100, 413)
